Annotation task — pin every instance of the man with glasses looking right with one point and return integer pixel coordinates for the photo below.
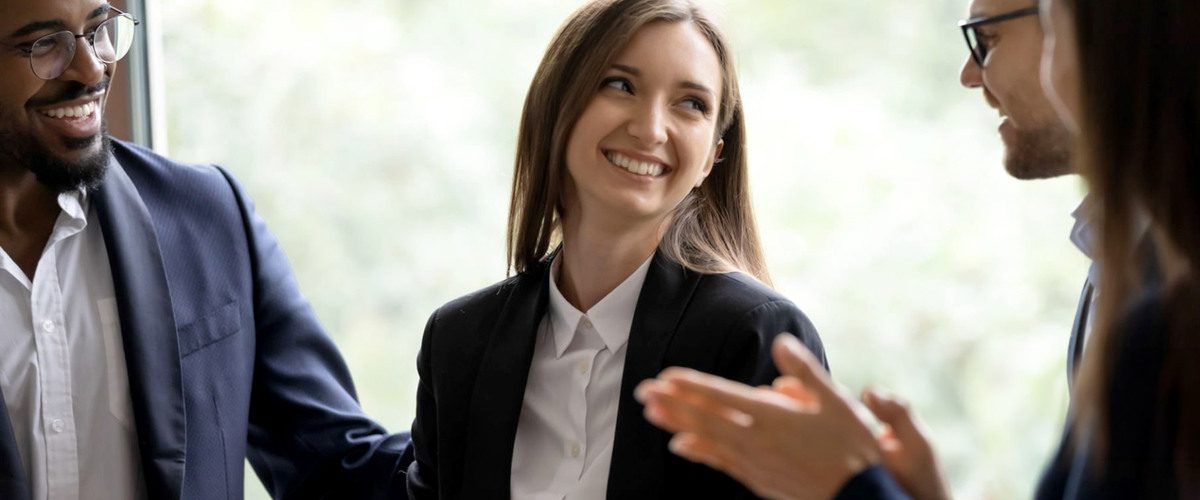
(152, 335)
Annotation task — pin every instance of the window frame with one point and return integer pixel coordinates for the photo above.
(134, 110)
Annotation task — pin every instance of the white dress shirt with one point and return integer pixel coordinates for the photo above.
(62, 366)
(564, 440)
(1083, 235)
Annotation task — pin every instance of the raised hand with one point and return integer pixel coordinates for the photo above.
(803, 439)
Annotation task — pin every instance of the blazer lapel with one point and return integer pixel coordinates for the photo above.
(499, 392)
(147, 331)
(1078, 330)
(639, 448)
(13, 483)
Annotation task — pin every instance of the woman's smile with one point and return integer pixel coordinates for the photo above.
(644, 167)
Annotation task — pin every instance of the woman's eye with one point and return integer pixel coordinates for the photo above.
(696, 104)
(620, 84)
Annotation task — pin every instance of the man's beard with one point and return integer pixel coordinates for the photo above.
(57, 174)
(1040, 153)
(21, 149)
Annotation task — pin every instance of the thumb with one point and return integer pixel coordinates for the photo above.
(793, 388)
(792, 358)
(896, 414)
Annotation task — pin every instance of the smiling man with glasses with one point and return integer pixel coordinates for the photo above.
(1004, 42)
(1004, 51)
(152, 336)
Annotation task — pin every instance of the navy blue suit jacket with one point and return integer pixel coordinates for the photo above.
(475, 358)
(226, 359)
(1143, 404)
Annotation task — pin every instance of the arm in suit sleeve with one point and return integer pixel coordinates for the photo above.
(873, 483)
(422, 473)
(746, 355)
(308, 436)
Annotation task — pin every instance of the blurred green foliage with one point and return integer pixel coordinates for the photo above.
(377, 138)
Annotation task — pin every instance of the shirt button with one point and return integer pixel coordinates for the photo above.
(58, 425)
(583, 367)
(575, 449)
(48, 326)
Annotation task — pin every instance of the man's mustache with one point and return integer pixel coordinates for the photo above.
(74, 90)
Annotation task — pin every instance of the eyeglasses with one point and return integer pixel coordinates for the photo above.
(49, 56)
(978, 48)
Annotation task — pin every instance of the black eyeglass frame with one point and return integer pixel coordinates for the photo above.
(968, 27)
(89, 36)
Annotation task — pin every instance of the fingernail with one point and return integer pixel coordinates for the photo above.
(789, 342)
(677, 445)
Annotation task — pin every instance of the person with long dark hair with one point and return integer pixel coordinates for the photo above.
(635, 248)
(1125, 76)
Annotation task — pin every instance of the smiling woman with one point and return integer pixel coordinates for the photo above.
(526, 386)
(673, 84)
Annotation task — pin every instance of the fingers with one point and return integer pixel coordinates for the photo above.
(793, 388)
(666, 409)
(895, 413)
(700, 450)
(792, 358)
(704, 390)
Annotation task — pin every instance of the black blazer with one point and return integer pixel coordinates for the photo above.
(476, 353)
(1142, 407)
(1151, 279)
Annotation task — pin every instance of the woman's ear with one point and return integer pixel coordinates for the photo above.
(715, 159)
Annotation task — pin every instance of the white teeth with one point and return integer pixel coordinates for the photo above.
(71, 112)
(635, 166)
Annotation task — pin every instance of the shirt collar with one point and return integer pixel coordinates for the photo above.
(74, 206)
(1083, 233)
(612, 317)
(71, 221)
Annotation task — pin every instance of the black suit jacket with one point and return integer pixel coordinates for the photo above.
(1142, 407)
(225, 357)
(475, 358)
(1150, 281)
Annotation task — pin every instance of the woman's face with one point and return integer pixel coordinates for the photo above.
(1060, 62)
(646, 138)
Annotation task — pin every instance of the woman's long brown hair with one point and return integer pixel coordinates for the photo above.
(713, 229)
(1139, 64)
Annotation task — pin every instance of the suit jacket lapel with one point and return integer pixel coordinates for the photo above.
(1151, 279)
(1078, 331)
(147, 330)
(499, 392)
(639, 448)
(13, 482)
